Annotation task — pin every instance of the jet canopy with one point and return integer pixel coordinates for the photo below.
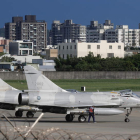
(128, 93)
(71, 90)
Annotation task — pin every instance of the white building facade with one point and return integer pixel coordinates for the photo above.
(102, 48)
(21, 47)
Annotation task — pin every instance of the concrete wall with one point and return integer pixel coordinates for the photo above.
(93, 75)
(12, 76)
(75, 75)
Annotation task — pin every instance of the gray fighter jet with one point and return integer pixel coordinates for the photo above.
(46, 96)
(10, 99)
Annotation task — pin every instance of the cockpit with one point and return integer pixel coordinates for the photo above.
(72, 90)
(128, 93)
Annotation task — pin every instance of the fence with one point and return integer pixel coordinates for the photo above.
(13, 132)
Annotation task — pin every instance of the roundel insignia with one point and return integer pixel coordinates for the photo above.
(38, 97)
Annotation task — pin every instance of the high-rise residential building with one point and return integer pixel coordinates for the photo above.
(106, 31)
(28, 29)
(56, 33)
(11, 29)
(67, 31)
(96, 31)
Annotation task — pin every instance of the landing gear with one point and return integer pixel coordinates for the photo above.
(69, 117)
(127, 120)
(29, 114)
(18, 114)
(127, 115)
(81, 118)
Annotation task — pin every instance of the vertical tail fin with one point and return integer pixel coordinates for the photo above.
(37, 81)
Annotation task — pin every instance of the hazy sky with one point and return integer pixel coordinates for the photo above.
(120, 12)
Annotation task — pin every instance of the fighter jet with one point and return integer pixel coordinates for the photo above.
(10, 100)
(46, 96)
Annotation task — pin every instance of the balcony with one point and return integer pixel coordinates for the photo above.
(25, 46)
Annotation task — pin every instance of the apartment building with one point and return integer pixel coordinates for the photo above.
(96, 31)
(21, 47)
(102, 48)
(67, 30)
(106, 31)
(28, 29)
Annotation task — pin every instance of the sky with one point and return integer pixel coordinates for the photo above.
(120, 12)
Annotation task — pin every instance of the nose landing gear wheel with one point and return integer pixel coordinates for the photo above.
(18, 114)
(127, 115)
(127, 120)
(81, 118)
(30, 114)
(69, 118)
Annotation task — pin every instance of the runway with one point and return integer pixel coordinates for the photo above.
(105, 124)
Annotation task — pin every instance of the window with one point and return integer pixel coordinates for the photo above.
(110, 55)
(75, 47)
(30, 52)
(63, 47)
(119, 47)
(70, 47)
(67, 47)
(63, 56)
(110, 47)
(89, 46)
(70, 55)
(98, 46)
(59, 47)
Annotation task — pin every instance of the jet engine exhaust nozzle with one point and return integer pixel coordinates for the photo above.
(23, 99)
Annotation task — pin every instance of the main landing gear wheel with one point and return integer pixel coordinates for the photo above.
(29, 114)
(127, 115)
(18, 114)
(127, 120)
(69, 117)
(81, 118)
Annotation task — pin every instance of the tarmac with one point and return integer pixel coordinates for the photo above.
(105, 124)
